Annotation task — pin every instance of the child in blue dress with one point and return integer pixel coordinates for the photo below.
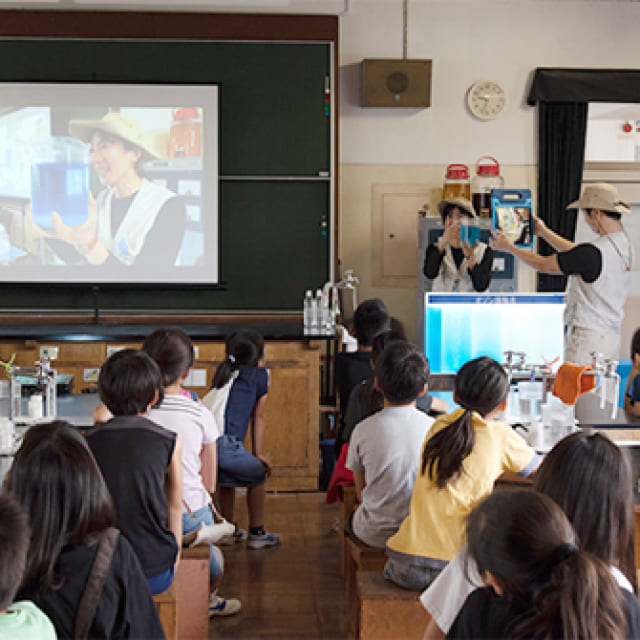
(238, 394)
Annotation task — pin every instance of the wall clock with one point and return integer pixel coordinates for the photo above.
(486, 99)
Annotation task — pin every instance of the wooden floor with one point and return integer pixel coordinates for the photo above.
(291, 591)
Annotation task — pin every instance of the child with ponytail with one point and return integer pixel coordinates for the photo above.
(539, 584)
(462, 456)
(238, 395)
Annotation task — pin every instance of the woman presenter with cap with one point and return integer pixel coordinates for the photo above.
(133, 221)
(454, 265)
(599, 273)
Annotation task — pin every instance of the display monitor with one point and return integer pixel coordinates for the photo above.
(109, 183)
(462, 326)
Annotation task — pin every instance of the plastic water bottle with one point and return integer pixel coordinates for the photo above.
(34, 406)
(325, 312)
(307, 310)
(317, 310)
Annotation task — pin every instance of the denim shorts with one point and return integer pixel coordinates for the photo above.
(192, 521)
(410, 576)
(236, 466)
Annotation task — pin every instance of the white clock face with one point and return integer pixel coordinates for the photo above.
(486, 99)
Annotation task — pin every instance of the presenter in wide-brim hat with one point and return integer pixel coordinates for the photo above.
(451, 263)
(599, 273)
(133, 221)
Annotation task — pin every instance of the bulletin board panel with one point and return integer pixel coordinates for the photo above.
(277, 164)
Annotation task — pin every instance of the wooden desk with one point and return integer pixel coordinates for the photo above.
(292, 412)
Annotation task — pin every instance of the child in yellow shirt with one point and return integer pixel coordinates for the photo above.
(462, 456)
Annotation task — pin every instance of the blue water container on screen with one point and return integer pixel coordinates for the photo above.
(60, 181)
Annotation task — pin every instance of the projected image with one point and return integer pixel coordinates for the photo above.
(515, 223)
(109, 193)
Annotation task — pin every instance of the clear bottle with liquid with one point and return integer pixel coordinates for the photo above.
(456, 182)
(317, 311)
(325, 312)
(307, 311)
(487, 177)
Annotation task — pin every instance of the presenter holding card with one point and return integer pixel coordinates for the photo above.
(132, 221)
(458, 261)
(599, 273)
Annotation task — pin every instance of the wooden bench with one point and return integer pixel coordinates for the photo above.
(192, 584)
(167, 607)
(361, 557)
(386, 611)
(347, 506)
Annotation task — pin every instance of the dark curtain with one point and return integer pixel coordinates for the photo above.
(562, 128)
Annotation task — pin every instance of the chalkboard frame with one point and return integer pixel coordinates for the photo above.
(121, 25)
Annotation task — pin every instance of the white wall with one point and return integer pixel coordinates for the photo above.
(469, 40)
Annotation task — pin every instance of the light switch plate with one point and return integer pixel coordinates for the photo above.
(49, 352)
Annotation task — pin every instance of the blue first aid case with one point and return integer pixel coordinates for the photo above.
(511, 212)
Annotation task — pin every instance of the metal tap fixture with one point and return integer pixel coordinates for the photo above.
(349, 282)
(605, 372)
(46, 380)
(509, 365)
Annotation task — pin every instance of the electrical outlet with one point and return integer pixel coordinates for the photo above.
(196, 351)
(49, 352)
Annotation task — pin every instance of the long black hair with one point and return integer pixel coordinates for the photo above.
(56, 480)
(589, 477)
(480, 385)
(241, 348)
(14, 544)
(524, 539)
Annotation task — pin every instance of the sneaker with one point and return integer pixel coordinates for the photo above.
(219, 606)
(262, 540)
(238, 535)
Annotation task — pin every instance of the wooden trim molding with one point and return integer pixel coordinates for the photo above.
(25, 317)
(170, 25)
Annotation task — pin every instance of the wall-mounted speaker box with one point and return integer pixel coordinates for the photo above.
(396, 83)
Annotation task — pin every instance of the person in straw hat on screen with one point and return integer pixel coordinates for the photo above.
(133, 221)
(599, 273)
(451, 263)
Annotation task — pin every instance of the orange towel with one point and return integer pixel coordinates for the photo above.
(570, 383)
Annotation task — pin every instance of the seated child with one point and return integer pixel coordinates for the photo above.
(172, 351)
(539, 584)
(632, 392)
(581, 471)
(370, 318)
(56, 481)
(366, 399)
(463, 455)
(20, 619)
(141, 464)
(239, 391)
(383, 453)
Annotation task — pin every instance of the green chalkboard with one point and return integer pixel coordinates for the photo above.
(275, 162)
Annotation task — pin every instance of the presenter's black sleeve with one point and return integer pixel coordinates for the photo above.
(481, 273)
(584, 260)
(163, 242)
(432, 261)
